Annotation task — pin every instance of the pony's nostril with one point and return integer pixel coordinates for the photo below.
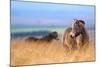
(72, 34)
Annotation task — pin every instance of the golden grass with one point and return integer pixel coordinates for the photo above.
(26, 53)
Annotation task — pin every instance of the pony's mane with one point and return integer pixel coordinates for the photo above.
(85, 35)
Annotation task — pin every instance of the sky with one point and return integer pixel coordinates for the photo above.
(49, 14)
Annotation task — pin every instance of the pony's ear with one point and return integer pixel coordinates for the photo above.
(75, 20)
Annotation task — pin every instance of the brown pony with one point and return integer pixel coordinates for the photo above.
(48, 38)
(76, 37)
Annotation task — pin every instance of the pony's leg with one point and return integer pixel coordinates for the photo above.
(78, 45)
(79, 42)
(68, 48)
(74, 45)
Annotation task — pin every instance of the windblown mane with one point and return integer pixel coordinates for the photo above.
(85, 36)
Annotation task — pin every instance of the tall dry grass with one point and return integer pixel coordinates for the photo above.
(26, 53)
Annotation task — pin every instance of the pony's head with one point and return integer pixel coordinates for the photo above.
(53, 35)
(77, 27)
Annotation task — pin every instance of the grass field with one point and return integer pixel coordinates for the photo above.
(28, 53)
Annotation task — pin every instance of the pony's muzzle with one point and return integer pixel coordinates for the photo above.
(72, 34)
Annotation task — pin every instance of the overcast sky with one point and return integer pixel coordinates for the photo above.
(32, 13)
